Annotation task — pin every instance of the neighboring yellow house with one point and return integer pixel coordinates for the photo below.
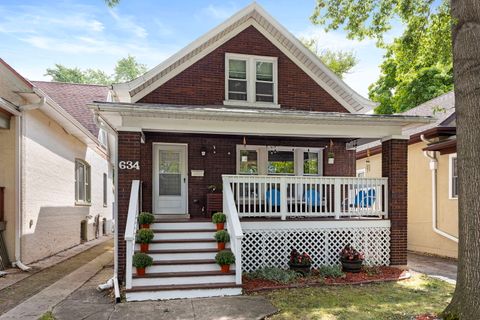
(432, 178)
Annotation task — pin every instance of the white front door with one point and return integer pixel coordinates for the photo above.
(170, 178)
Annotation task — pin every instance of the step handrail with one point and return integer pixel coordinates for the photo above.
(234, 228)
(131, 230)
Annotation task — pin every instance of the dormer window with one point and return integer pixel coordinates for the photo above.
(250, 80)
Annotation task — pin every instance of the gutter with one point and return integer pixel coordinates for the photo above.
(433, 167)
(112, 282)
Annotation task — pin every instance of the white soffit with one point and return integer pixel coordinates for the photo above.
(252, 15)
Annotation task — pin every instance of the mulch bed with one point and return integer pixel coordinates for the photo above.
(426, 317)
(381, 274)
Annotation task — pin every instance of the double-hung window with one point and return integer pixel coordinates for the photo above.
(250, 80)
(453, 176)
(82, 182)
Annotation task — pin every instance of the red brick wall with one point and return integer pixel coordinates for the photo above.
(203, 83)
(394, 167)
(128, 150)
(223, 161)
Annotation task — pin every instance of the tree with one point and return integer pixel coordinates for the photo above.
(340, 62)
(112, 3)
(126, 69)
(372, 19)
(422, 50)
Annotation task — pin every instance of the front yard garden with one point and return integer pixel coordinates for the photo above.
(386, 301)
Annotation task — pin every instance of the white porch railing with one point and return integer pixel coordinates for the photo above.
(131, 230)
(234, 229)
(303, 196)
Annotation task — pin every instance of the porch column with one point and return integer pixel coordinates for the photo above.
(128, 150)
(394, 167)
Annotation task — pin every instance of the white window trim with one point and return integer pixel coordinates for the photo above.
(262, 152)
(251, 71)
(88, 184)
(450, 176)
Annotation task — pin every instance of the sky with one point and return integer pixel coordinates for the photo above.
(35, 35)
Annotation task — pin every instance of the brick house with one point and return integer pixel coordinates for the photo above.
(248, 110)
(56, 188)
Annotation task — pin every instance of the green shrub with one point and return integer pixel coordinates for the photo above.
(274, 274)
(371, 270)
(145, 236)
(331, 271)
(142, 260)
(146, 218)
(225, 257)
(222, 236)
(219, 217)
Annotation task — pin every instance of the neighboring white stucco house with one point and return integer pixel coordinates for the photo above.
(55, 169)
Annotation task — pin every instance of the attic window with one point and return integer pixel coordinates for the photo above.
(250, 80)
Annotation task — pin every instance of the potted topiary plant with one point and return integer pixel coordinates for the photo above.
(145, 219)
(141, 261)
(144, 237)
(219, 219)
(351, 259)
(300, 262)
(222, 238)
(225, 258)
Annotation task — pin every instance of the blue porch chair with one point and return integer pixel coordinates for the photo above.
(272, 196)
(312, 198)
(364, 198)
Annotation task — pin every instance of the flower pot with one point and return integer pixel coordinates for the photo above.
(331, 160)
(354, 266)
(300, 268)
(145, 226)
(140, 271)
(143, 247)
(220, 226)
(225, 268)
(221, 246)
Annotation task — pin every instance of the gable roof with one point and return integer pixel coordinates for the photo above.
(73, 97)
(252, 15)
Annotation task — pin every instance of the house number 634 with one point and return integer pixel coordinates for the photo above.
(129, 165)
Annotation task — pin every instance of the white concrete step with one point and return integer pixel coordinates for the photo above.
(174, 234)
(159, 279)
(215, 290)
(182, 225)
(159, 266)
(178, 255)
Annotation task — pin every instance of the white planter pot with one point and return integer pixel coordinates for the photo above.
(331, 160)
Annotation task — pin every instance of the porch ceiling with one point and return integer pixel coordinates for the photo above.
(251, 121)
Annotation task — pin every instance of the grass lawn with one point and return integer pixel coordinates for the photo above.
(389, 301)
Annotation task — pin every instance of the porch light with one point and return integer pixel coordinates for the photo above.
(203, 151)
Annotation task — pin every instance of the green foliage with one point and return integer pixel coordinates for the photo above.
(340, 62)
(145, 236)
(146, 218)
(331, 271)
(126, 69)
(222, 236)
(417, 65)
(224, 257)
(112, 3)
(219, 217)
(142, 260)
(47, 316)
(371, 271)
(274, 274)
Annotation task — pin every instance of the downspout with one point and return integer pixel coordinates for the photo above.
(433, 168)
(112, 282)
(19, 173)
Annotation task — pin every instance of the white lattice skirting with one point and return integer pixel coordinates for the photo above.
(268, 244)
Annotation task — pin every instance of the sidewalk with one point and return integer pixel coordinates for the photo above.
(88, 303)
(75, 270)
(441, 268)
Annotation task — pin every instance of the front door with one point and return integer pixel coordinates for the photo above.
(170, 178)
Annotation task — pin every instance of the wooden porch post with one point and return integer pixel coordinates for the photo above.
(394, 167)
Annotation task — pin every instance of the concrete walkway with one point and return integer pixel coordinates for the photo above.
(441, 268)
(33, 296)
(88, 304)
